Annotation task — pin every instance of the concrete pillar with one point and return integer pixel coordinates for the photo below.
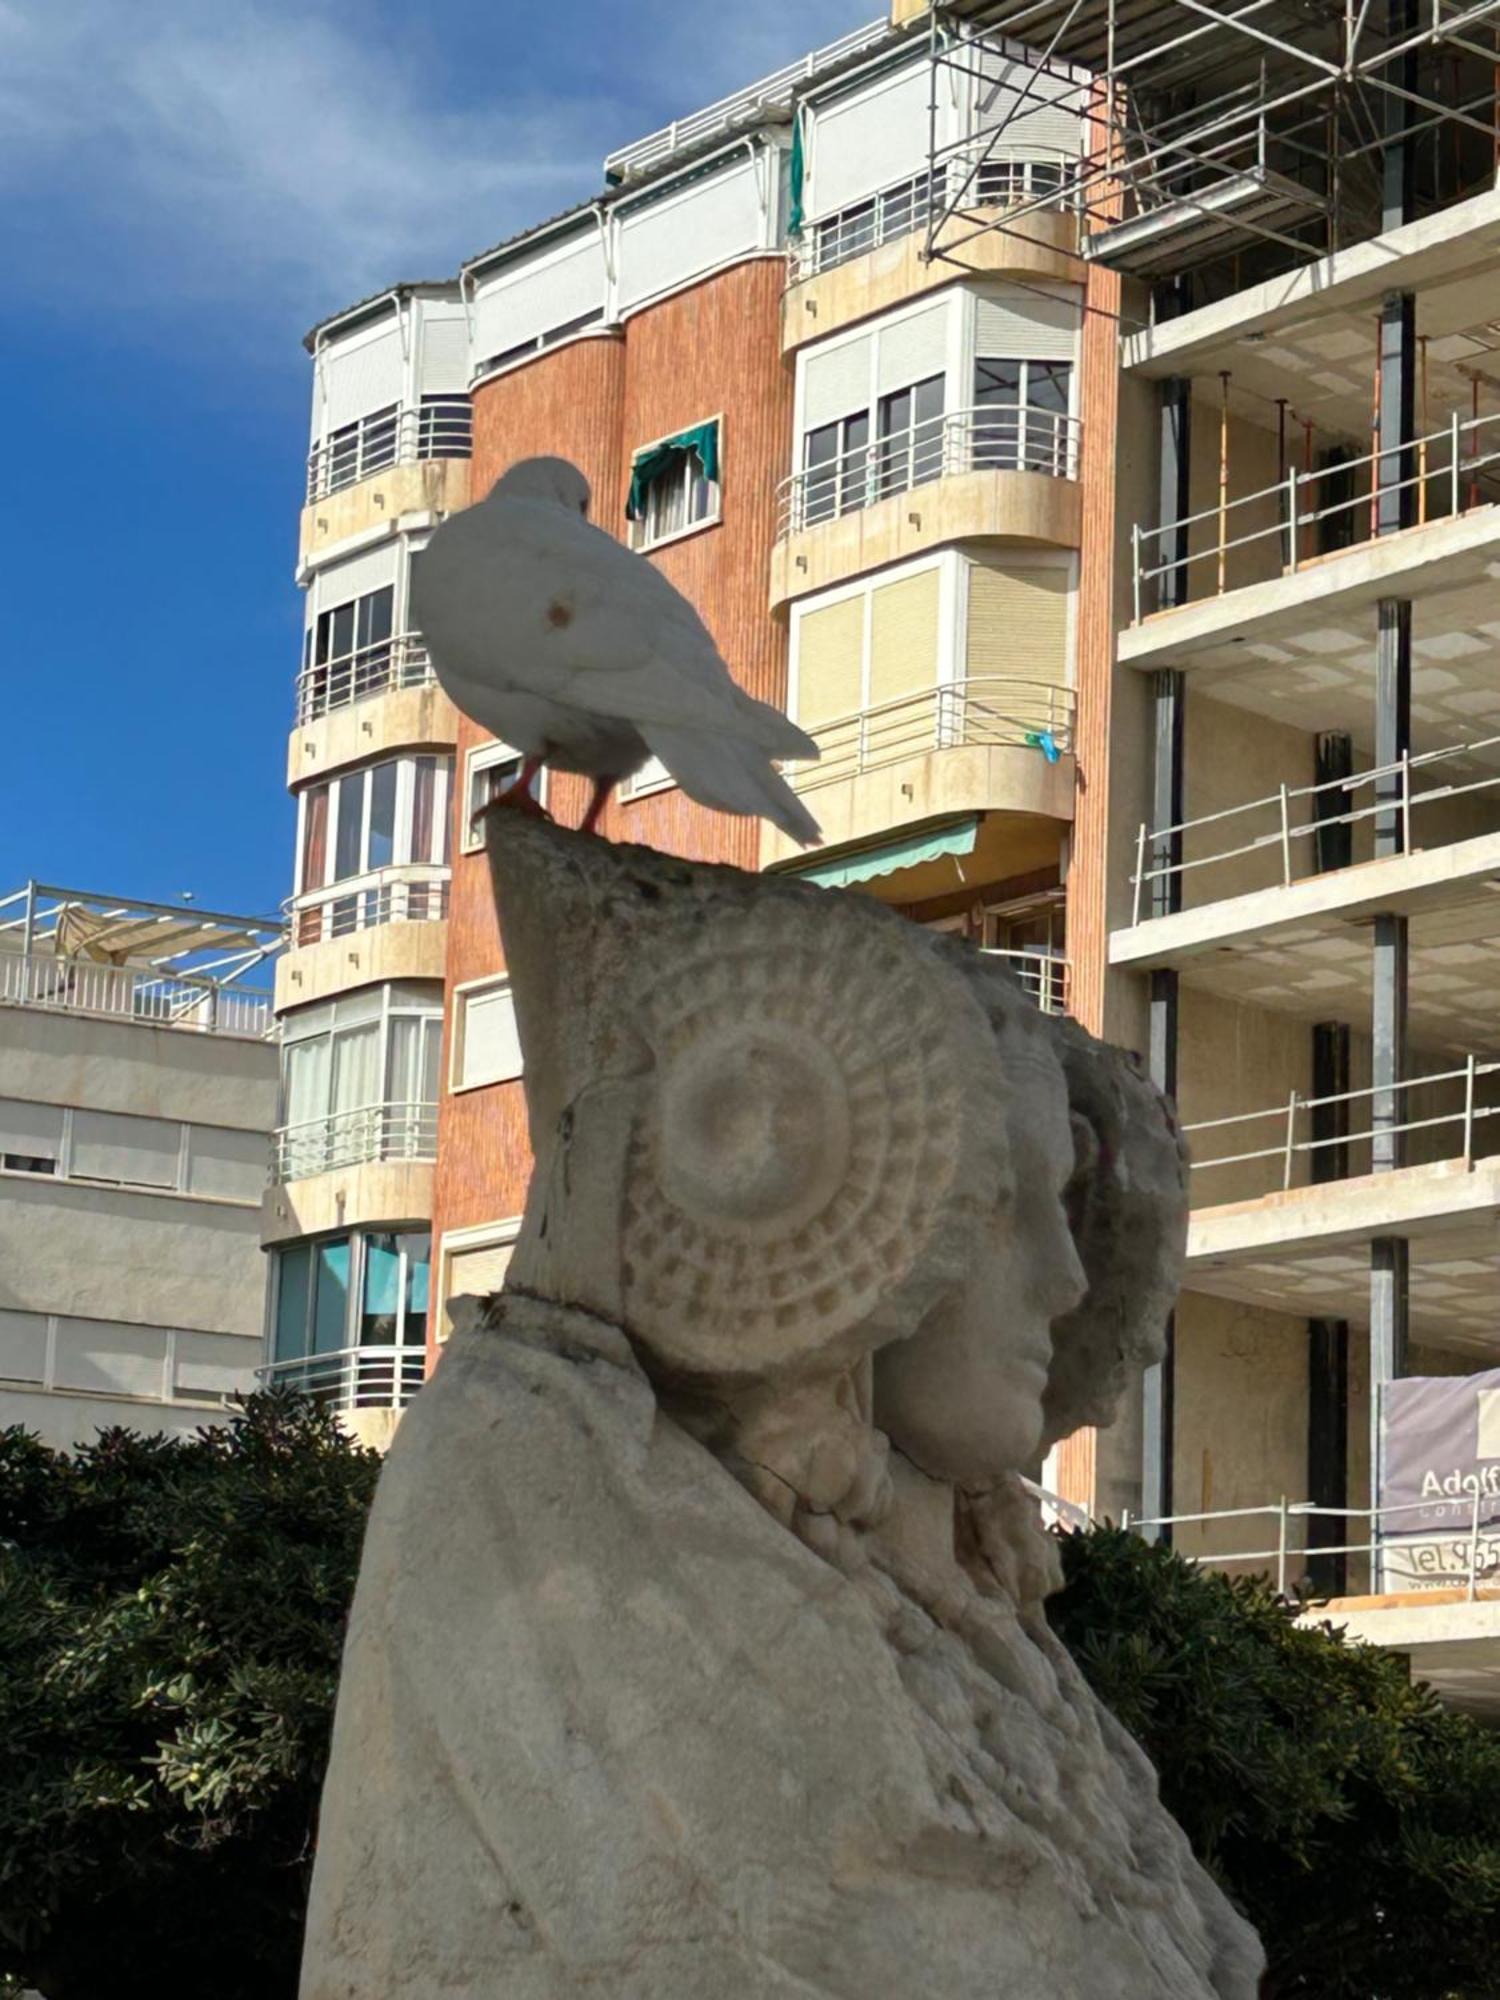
(1170, 698)
(1175, 443)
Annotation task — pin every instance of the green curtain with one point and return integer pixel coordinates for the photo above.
(659, 458)
(794, 214)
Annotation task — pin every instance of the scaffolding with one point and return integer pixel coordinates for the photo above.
(1250, 135)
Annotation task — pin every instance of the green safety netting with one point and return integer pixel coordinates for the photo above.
(871, 861)
(659, 458)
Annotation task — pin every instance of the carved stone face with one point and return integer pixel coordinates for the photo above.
(963, 1397)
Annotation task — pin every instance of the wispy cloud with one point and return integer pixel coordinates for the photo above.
(277, 157)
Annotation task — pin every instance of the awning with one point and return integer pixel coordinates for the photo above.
(841, 871)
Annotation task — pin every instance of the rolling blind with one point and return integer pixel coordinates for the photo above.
(517, 302)
(668, 242)
(868, 140)
(912, 349)
(230, 1164)
(98, 1354)
(475, 1274)
(1026, 324)
(835, 383)
(214, 1364)
(32, 1131)
(362, 377)
(489, 1045)
(903, 636)
(1018, 622)
(340, 582)
(828, 670)
(113, 1146)
(23, 1346)
(1045, 109)
(445, 353)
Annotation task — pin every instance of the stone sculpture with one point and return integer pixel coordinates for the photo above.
(699, 1645)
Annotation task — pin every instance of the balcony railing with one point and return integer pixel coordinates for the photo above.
(398, 895)
(986, 710)
(133, 993)
(1291, 1134)
(438, 427)
(1301, 813)
(400, 662)
(1015, 439)
(908, 205)
(1319, 514)
(353, 1378)
(396, 1131)
(1043, 975)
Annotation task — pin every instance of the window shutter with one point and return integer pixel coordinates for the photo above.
(830, 645)
(474, 1274)
(230, 1164)
(1046, 109)
(1026, 324)
(903, 636)
(23, 1346)
(33, 1130)
(444, 368)
(868, 140)
(490, 1047)
(214, 1364)
(1018, 622)
(836, 383)
(516, 302)
(367, 375)
(119, 1360)
(113, 1146)
(666, 242)
(341, 582)
(912, 349)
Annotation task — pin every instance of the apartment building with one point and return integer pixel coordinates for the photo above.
(1075, 413)
(137, 1096)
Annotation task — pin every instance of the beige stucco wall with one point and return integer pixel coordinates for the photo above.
(144, 1259)
(385, 1192)
(1028, 507)
(155, 1072)
(65, 1420)
(338, 965)
(405, 718)
(432, 486)
(1040, 247)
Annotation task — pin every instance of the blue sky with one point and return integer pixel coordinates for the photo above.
(185, 185)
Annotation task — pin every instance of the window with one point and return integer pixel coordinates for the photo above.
(394, 813)
(1030, 935)
(834, 461)
(911, 436)
(360, 1080)
(474, 1263)
(124, 1149)
(350, 1313)
(674, 485)
(524, 349)
(491, 769)
(1021, 416)
(486, 1045)
(354, 451)
(445, 426)
(1000, 181)
(347, 653)
(653, 776)
(31, 1137)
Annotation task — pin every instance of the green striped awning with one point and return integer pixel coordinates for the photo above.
(842, 870)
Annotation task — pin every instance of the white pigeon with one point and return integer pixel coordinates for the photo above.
(579, 654)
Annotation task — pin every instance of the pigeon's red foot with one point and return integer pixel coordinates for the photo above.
(520, 795)
(602, 789)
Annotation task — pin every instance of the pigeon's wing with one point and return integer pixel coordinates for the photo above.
(560, 609)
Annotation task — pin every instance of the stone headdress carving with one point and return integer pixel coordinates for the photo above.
(768, 1119)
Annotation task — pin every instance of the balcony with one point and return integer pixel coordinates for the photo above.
(439, 427)
(128, 993)
(405, 894)
(982, 746)
(369, 1133)
(353, 1378)
(1043, 976)
(400, 662)
(988, 473)
(872, 255)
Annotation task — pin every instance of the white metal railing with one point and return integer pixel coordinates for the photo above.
(353, 1378)
(1479, 1558)
(136, 993)
(1043, 974)
(1448, 467)
(754, 99)
(401, 894)
(395, 1131)
(988, 709)
(1391, 785)
(1290, 1144)
(399, 662)
(1019, 439)
(437, 427)
(905, 206)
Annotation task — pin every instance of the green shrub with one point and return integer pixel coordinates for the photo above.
(171, 1615)
(1353, 1818)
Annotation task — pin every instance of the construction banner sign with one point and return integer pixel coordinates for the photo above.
(1441, 1480)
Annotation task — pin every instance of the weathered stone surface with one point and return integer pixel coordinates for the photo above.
(699, 1645)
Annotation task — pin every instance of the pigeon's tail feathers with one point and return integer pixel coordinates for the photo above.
(778, 735)
(731, 775)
